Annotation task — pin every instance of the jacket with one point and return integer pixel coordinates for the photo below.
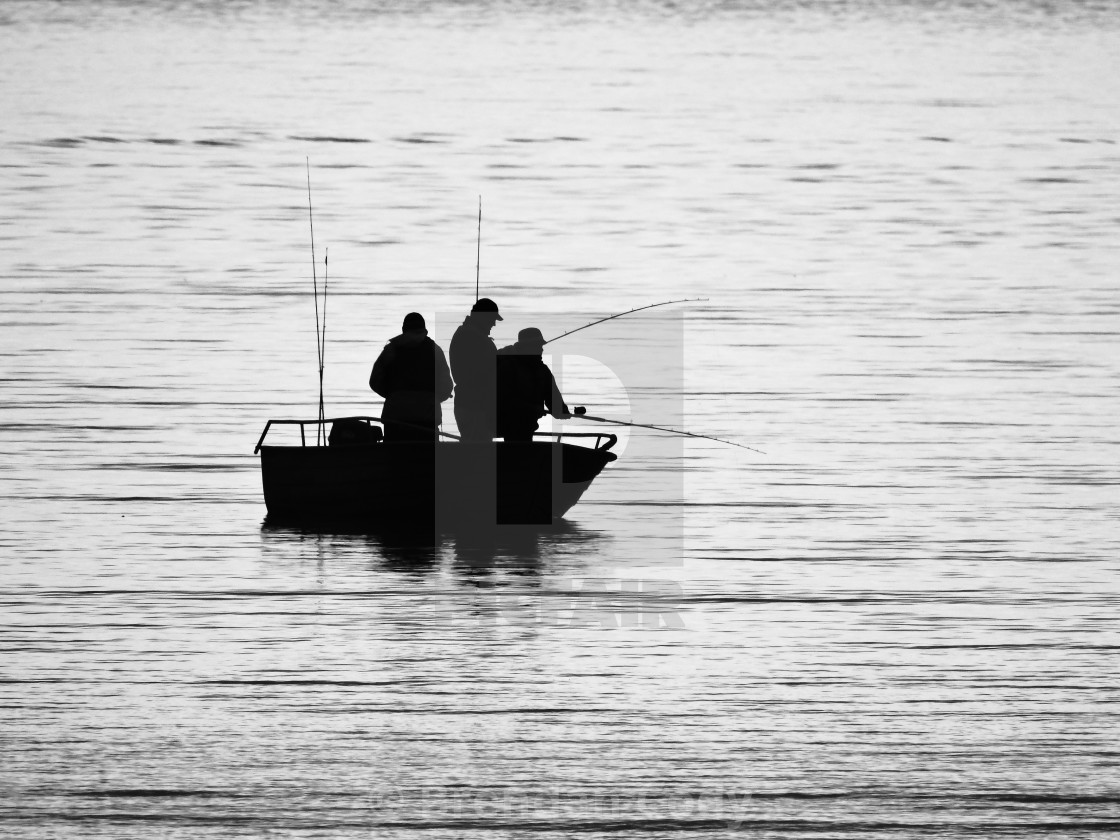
(412, 375)
(526, 388)
(473, 366)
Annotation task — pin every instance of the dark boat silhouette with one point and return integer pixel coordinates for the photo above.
(356, 476)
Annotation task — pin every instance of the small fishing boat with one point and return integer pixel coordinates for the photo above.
(350, 473)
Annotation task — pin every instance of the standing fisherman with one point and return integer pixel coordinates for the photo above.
(526, 387)
(473, 365)
(412, 375)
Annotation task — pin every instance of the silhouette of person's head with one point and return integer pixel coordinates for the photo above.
(414, 322)
(530, 342)
(484, 314)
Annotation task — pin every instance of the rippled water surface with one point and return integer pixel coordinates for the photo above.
(897, 619)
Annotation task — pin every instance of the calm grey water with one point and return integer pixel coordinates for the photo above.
(899, 621)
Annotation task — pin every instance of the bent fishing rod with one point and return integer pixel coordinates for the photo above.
(581, 412)
(620, 314)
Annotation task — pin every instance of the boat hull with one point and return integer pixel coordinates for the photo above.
(443, 486)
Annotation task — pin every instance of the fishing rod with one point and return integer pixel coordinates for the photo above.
(620, 314)
(478, 253)
(315, 290)
(323, 341)
(581, 412)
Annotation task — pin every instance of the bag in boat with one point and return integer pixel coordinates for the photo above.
(350, 431)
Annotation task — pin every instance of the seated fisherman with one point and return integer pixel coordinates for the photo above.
(412, 375)
(526, 387)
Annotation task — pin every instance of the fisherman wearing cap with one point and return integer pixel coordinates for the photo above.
(412, 375)
(526, 387)
(473, 366)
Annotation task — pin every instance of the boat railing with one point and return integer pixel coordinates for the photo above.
(303, 424)
(607, 436)
(610, 439)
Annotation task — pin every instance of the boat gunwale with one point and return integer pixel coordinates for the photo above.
(611, 439)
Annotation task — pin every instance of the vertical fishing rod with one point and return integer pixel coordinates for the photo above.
(315, 290)
(323, 343)
(478, 253)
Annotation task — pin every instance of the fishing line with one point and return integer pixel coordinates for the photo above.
(665, 429)
(620, 314)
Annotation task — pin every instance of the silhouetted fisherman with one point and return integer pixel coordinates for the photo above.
(472, 364)
(412, 375)
(526, 387)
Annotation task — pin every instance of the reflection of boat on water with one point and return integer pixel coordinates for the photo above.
(471, 554)
(359, 477)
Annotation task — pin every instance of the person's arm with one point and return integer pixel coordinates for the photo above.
(444, 385)
(379, 376)
(556, 405)
(460, 359)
